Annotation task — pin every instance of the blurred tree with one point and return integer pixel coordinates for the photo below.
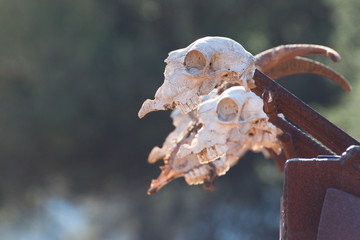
(346, 38)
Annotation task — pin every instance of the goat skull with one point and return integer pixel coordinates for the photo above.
(233, 116)
(247, 130)
(210, 138)
(197, 69)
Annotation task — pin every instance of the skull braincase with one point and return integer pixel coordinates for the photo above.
(197, 69)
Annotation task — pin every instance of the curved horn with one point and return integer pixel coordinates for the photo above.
(273, 56)
(303, 65)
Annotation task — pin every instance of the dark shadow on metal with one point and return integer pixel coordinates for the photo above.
(278, 100)
(321, 198)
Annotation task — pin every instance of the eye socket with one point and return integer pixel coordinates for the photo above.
(227, 109)
(194, 61)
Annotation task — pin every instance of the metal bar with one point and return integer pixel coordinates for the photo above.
(295, 142)
(304, 116)
(304, 146)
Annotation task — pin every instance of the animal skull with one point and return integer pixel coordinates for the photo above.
(234, 116)
(189, 167)
(211, 137)
(182, 123)
(196, 172)
(247, 130)
(197, 69)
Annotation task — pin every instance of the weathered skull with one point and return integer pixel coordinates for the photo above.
(182, 123)
(211, 137)
(194, 172)
(229, 118)
(236, 109)
(197, 69)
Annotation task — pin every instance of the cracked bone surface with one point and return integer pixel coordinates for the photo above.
(229, 125)
(234, 116)
(197, 69)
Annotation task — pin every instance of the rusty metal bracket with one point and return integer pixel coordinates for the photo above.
(295, 142)
(303, 116)
(304, 214)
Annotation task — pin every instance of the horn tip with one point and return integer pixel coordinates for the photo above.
(335, 57)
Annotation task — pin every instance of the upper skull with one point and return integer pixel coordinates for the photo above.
(196, 70)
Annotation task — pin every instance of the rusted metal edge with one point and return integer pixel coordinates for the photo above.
(303, 145)
(295, 142)
(304, 116)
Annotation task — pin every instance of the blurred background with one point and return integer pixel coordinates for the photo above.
(73, 153)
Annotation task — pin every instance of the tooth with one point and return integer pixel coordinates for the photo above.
(222, 170)
(199, 181)
(182, 108)
(197, 172)
(198, 156)
(217, 163)
(222, 159)
(188, 105)
(202, 157)
(202, 170)
(195, 100)
(191, 106)
(185, 107)
(211, 153)
(191, 174)
(215, 151)
(189, 181)
(220, 148)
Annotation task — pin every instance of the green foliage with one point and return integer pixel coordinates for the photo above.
(346, 39)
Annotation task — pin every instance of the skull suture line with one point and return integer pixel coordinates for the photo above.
(197, 69)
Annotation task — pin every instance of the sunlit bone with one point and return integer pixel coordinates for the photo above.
(257, 135)
(283, 61)
(228, 117)
(195, 172)
(182, 123)
(196, 70)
